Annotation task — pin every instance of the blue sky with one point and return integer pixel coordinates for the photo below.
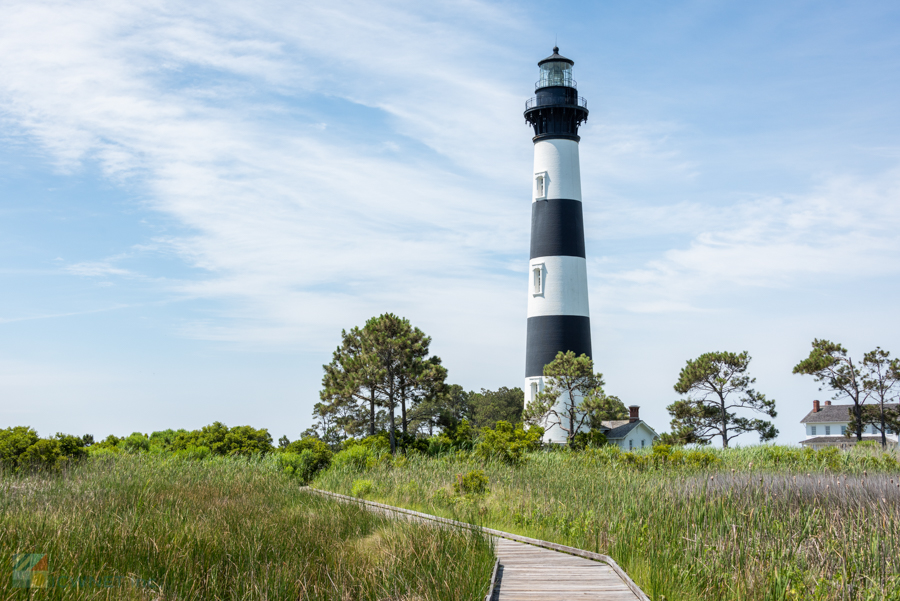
(195, 200)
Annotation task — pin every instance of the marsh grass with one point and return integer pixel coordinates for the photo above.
(156, 527)
(824, 527)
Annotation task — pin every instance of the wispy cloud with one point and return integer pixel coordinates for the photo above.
(844, 229)
(96, 269)
(59, 315)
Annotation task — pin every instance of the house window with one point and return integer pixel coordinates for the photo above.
(813, 428)
(538, 279)
(630, 444)
(540, 186)
(827, 430)
(843, 430)
(642, 443)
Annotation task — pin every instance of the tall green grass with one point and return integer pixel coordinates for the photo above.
(156, 527)
(764, 523)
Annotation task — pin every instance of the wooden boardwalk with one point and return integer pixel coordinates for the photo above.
(529, 573)
(534, 570)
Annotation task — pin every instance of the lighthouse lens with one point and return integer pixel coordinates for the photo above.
(556, 73)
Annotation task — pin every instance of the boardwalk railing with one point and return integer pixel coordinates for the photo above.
(490, 593)
(508, 535)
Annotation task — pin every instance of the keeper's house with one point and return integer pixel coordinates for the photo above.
(629, 434)
(827, 425)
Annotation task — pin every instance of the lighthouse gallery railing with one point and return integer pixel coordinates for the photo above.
(553, 101)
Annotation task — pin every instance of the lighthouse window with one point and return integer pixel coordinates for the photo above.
(534, 390)
(539, 186)
(538, 280)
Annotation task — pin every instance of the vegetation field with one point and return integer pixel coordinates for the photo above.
(157, 526)
(761, 523)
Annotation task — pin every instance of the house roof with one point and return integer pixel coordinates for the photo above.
(839, 439)
(832, 414)
(621, 427)
(621, 431)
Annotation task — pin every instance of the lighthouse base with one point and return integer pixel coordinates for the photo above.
(553, 432)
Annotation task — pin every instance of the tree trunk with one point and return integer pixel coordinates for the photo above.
(372, 413)
(392, 403)
(724, 425)
(403, 410)
(857, 413)
(883, 437)
(393, 440)
(571, 418)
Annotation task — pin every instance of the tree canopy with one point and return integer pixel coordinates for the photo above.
(830, 365)
(717, 384)
(383, 364)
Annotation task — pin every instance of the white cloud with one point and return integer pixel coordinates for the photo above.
(96, 269)
(844, 229)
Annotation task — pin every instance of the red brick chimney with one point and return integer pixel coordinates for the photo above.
(827, 403)
(634, 413)
(815, 406)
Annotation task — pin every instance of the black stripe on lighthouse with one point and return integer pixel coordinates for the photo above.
(549, 334)
(557, 228)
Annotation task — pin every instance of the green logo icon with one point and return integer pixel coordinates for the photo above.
(30, 570)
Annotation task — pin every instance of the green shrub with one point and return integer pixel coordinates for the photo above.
(50, 453)
(136, 443)
(98, 451)
(379, 443)
(13, 442)
(592, 439)
(305, 460)
(21, 448)
(867, 446)
(457, 435)
(473, 483)
(357, 459)
(43, 454)
(508, 443)
(222, 440)
(361, 488)
(194, 453)
(163, 440)
(317, 446)
(110, 442)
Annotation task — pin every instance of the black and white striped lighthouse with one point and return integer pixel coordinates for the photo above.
(558, 316)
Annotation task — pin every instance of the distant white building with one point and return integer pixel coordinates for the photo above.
(827, 425)
(630, 434)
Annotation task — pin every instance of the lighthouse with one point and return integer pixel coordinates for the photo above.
(558, 315)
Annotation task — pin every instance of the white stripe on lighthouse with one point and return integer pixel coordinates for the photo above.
(556, 160)
(564, 288)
